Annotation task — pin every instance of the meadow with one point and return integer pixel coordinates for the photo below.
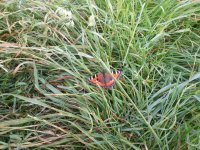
(49, 49)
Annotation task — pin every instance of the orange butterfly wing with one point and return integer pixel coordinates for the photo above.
(97, 79)
(105, 80)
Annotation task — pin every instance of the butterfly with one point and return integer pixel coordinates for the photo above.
(105, 79)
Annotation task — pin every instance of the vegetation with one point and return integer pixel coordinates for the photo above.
(49, 48)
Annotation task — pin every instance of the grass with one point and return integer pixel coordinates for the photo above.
(46, 55)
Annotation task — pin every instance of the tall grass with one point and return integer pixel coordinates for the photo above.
(46, 56)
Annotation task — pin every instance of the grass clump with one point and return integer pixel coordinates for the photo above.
(49, 48)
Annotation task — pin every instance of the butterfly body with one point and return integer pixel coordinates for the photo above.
(105, 79)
